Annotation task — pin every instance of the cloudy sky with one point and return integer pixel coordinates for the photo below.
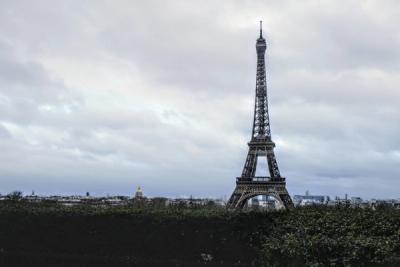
(103, 96)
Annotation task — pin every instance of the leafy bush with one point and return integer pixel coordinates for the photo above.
(48, 234)
(334, 237)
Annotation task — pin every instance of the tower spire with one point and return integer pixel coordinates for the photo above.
(261, 29)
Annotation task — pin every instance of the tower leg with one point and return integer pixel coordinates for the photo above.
(250, 165)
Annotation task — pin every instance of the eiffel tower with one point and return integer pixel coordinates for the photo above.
(248, 185)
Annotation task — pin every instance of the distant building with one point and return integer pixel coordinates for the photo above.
(342, 201)
(394, 203)
(220, 202)
(307, 199)
(356, 201)
(262, 202)
(138, 193)
(255, 202)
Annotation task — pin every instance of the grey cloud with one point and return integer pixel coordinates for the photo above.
(25, 86)
(333, 76)
(4, 133)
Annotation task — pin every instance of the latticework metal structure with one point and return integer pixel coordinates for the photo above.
(249, 185)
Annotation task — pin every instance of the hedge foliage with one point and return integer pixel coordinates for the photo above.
(48, 234)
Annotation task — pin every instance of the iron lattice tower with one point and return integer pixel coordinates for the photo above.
(249, 185)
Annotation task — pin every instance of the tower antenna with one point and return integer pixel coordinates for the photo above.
(261, 29)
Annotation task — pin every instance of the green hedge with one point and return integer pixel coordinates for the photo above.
(47, 234)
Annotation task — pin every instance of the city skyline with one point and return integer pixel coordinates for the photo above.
(103, 97)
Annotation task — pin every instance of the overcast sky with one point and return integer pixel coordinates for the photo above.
(103, 96)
